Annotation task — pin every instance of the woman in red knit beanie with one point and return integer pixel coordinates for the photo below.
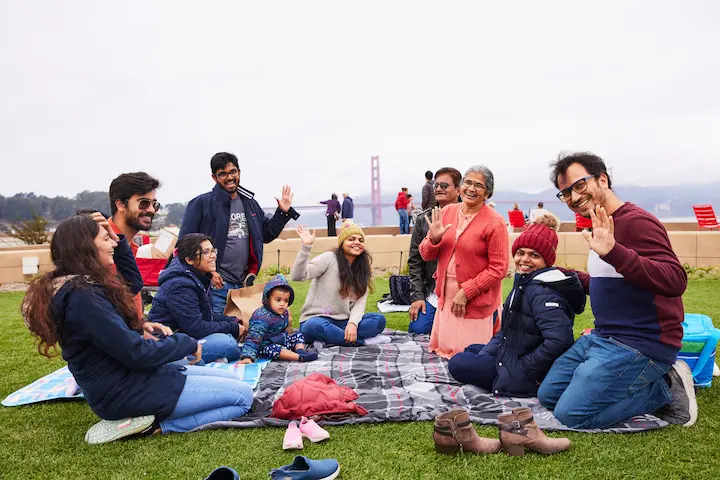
(537, 319)
(469, 240)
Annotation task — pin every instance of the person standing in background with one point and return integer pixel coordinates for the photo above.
(401, 205)
(348, 208)
(428, 192)
(332, 214)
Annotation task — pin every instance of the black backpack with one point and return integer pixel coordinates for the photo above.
(400, 289)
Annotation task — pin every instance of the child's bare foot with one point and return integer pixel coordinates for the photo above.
(288, 355)
(246, 361)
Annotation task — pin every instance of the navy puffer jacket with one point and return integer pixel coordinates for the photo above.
(537, 328)
(121, 374)
(183, 303)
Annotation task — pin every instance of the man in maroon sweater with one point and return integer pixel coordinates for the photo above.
(628, 365)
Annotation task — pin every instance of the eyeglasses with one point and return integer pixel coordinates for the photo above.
(223, 175)
(442, 185)
(477, 185)
(579, 186)
(144, 204)
(209, 252)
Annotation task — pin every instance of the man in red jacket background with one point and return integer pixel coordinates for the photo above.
(401, 205)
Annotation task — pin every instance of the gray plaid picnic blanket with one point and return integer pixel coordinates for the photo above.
(399, 382)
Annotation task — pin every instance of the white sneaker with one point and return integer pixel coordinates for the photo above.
(110, 430)
(682, 409)
(716, 370)
(378, 340)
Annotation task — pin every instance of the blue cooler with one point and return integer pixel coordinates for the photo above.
(700, 338)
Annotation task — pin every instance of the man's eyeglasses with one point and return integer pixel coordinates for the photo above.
(477, 185)
(579, 186)
(223, 175)
(144, 204)
(442, 185)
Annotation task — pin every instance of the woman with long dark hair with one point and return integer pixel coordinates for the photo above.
(183, 300)
(86, 309)
(334, 309)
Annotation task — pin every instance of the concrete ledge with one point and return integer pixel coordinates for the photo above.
(697, 249)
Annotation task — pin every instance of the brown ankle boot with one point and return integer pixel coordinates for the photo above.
(455, 432)
(519, 431)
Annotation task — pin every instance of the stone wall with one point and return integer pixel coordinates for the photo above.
(698, 249)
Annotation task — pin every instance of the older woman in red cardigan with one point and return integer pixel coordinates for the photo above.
(470, 242)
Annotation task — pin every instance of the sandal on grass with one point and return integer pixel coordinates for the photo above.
(110, 430)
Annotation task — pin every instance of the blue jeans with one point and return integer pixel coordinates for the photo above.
(218, 297)
(332, 332)
(219, 345)
(424, 321)
(473, 367)
(209, 395)
(601, 381)
(404, 226)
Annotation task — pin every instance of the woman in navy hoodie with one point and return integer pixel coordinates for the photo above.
(127, 380)
(183, 300)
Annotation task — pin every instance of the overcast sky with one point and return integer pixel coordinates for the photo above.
(305, 92)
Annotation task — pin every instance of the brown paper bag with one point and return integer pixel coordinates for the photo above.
(242, 302)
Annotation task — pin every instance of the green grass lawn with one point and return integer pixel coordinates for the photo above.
(46, 440)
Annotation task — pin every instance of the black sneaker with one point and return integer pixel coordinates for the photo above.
(682, 409)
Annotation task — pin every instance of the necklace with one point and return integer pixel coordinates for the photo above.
(462, 210)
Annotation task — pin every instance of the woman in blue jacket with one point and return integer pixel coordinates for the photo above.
(126, 379)
(183, 301)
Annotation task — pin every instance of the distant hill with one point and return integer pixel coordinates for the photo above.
(665, 202)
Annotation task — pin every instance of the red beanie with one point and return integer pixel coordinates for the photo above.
(540, 238)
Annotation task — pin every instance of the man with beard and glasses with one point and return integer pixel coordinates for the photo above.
(628, 364)
(133, 204)
(238, 226)
(422, 294)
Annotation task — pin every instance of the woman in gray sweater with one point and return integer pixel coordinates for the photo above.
(334, 309)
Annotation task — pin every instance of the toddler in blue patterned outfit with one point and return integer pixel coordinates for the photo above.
(270, 334)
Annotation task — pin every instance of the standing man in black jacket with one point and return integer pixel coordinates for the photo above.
(424, 300)
(428, 192)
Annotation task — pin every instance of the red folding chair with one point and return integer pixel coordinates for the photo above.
(581, 223)
(517, 219)
(705, 217)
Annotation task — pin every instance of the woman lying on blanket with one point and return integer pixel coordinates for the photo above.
(127, 380)
(183, 302)
(537, 320)
(334, 309)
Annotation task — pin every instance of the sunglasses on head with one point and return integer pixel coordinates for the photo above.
(442, 185)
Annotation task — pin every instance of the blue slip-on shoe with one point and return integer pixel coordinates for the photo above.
(303, 468)
(223, 473)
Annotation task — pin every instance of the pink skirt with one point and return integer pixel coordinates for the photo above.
(452, 334)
